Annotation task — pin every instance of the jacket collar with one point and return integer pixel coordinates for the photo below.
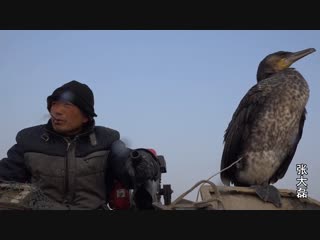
(85, 131)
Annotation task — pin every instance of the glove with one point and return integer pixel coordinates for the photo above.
(142, 166)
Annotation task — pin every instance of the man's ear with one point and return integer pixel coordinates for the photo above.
(85, 119)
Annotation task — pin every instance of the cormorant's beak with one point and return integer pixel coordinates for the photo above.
(298, 55)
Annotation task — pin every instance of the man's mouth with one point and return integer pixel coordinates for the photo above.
(57, 121)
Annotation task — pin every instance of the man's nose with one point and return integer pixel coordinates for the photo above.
(57, 108)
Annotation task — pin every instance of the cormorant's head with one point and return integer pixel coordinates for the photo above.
(279, 61)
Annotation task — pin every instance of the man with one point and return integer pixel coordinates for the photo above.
(72, 161)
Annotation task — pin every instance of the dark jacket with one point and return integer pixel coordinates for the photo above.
(76, 172)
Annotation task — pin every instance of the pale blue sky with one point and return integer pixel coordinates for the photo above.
(174, 91)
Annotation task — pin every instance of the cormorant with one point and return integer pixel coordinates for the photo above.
(267, 126)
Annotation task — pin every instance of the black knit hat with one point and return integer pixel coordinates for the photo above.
(77, 93)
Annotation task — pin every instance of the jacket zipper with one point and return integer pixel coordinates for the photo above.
(67, 170)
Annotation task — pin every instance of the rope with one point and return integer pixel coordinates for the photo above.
(219, 173)
(218, 198)
(199, 204)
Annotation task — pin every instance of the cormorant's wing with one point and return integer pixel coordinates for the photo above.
(285, 164)
(239, 127)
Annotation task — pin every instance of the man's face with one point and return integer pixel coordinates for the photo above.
(66, 118)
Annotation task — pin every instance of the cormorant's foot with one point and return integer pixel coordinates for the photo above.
(268, 193)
